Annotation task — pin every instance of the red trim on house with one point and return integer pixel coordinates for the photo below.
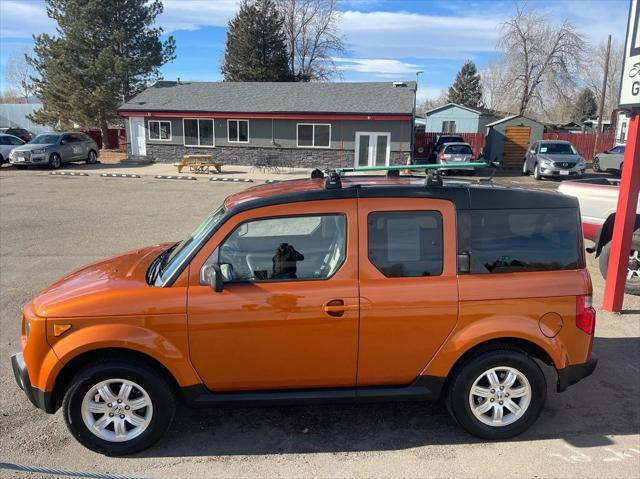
(284, 116)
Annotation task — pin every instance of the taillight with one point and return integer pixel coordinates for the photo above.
(442, 157)
(585, 314)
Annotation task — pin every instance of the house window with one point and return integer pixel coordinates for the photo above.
(198, 132)
(313, 135)
(160, 130)
(238, 131)
(448, 126)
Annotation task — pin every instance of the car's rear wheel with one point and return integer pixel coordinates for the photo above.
(55, 161)
(595, 166)
(632, 283)
(536, 172)
(498, 394)
(117, 408)
(92, 159)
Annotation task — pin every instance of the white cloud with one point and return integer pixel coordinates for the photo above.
(377, 66)
(413, 35)
(21, 19)
(194, 14)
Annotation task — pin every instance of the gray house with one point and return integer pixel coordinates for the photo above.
(508, 139)
(454, 118)
(309, 124)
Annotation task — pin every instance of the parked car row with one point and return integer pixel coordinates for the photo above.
(48, 149)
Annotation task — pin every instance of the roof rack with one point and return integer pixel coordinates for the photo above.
(333, 181)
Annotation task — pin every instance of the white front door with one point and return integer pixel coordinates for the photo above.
(138, 136)
(372, 149)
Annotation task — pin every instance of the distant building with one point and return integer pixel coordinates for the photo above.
(622, 128)
(14, 115)
(454, 118)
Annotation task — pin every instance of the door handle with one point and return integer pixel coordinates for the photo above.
(337, 307)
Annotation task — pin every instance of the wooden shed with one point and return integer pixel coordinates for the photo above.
(508, 139)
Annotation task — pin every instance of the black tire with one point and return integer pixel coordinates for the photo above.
(92, 158)
(631, 286)
(463, 378)
(21, 167)
(525, 170)
(536, 172)
(55, 161)
(162, 398)
(595, 166)
(2, 160)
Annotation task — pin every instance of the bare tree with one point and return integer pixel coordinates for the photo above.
(593, 72)
(18, 75)
(431, 103)
(313, 40)
(540, 56)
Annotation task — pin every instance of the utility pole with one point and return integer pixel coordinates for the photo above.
(413, 117)
(604, 92)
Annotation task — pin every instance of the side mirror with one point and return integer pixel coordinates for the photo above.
(63, 142)
(464, 263)
(212, 276)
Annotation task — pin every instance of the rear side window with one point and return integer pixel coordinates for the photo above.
(458, 150)
(512, 240)
(406, 243)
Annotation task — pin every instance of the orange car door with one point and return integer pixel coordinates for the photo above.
(408, 286)
(287, 316)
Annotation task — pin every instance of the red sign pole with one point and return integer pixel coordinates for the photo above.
(625, 220)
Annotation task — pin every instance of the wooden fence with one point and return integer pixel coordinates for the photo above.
(584, 142)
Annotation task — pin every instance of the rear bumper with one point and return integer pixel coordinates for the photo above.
(39, 398)
(576, 372)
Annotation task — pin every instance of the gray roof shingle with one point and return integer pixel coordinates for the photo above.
(274, 97)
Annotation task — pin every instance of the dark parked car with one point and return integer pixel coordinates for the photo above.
(441, 140)
(24, 135)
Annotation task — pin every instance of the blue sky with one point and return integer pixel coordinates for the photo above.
(386, 39)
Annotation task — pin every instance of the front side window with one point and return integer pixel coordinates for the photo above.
(314, 135)
(406, 243)
(287, 248)
(160, 130)
(198, 132)
(238, 131)
(513, 240)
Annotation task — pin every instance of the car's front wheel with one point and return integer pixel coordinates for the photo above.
(536, 173)
(116, 408)
(55, 161)
(525, 170)
(595, 166)
(632, 283)
(498, 394)
(92, 159)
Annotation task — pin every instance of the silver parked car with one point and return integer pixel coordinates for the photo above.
(553, 158)
(54, 149)
(8, 143)
(609, 160)
(451, 153)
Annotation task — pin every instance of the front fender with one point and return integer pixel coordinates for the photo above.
(171, 348)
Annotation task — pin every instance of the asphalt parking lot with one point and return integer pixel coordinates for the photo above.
(53, 224)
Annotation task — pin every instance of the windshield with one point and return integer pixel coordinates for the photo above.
(45, 139)
(557, 149)
(178, 253)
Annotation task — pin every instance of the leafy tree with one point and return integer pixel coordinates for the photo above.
(466, 89)
(585, 106)
(255, 45)
(104, 53)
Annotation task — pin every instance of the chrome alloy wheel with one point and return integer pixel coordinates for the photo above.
(500, 396)
(117, 410)
(633, 269)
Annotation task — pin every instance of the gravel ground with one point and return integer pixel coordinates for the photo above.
(52, 224)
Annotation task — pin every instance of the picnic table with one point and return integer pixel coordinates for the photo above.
(198, 164)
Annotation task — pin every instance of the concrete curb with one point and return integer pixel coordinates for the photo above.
(172, 177)
(232, 180)
(119, 175)
(67, 173)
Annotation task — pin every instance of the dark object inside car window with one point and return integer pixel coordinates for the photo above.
(406, 243)
(458, 150)
(283, 249)
(503, 241)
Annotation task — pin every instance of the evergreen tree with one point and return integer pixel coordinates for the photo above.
(255, 46)
(466, 89)
(585, 106)
(105, 52)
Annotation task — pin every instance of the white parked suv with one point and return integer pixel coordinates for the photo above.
(598, 198)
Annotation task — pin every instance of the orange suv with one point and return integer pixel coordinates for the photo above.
(338, 289)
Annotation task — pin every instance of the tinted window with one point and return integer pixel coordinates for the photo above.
(502, 241)
(45, 139)
(406, 243)
(4, 140)
(458, 150)
(284, 249)
(15, 141)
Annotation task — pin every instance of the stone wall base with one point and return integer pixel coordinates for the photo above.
(299, 157)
